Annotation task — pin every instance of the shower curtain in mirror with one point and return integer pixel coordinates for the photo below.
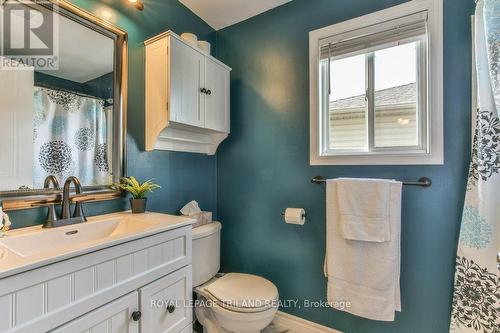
(476, 297)
(70, 138)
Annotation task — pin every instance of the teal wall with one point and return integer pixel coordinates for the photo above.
(264, 167)
(183, 176)
(101, 86)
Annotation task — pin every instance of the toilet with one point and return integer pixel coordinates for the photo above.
(231, 302)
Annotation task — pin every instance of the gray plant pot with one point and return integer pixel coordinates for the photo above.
(138, 205)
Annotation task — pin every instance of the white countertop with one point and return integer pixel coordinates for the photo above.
(152, 223)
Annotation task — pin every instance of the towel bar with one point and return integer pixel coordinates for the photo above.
(424, 181)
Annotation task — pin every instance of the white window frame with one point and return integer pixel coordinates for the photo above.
(434, 111)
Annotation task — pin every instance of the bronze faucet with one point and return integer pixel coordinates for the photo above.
(78, 212)
(66, 217)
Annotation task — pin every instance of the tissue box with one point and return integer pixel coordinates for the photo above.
(201, 218)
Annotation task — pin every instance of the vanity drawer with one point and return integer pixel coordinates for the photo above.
(115, 317)
(166, 303)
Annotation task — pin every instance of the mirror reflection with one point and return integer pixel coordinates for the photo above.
(58, 121)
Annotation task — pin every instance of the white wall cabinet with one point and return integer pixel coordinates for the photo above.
(187, 97)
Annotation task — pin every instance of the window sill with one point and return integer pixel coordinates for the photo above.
(378, 159)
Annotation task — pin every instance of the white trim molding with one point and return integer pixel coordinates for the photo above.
(434, 153)
(299, 325)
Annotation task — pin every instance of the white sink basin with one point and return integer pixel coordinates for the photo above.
(73, 236)
(32, 247)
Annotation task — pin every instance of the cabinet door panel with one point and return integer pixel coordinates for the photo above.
(174, 289)
(186, 76)
(187, 329)
(217, 103)
(114, 317)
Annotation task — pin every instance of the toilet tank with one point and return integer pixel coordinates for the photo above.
(206, 252)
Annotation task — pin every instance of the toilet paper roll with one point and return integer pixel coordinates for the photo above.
(204, 46)
(190, 38)
(295, 216)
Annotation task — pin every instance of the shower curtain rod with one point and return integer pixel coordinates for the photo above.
(107, 100)
(424, 181)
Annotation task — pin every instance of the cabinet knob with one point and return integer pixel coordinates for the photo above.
(203, 90)
(209, 92)
(136, 315)
(170, 308)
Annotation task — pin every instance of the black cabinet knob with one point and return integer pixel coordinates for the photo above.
(170, 308)
(136, 315)
(209, 92)
(203, 90)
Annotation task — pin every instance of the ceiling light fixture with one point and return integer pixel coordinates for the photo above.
(137, 4)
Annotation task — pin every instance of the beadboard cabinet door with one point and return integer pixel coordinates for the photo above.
(115, 317)
(187, 74)
(165, 303)
(217, 101)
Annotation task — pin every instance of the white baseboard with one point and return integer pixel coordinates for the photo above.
(299, 325)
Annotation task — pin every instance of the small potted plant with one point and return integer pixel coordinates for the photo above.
(138, 192)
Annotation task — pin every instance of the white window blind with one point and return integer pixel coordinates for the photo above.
(371, 38)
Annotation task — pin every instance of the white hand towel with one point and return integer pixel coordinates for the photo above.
(364, 276)
(364, 207)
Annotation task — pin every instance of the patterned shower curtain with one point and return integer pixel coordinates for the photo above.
(476, 297)
(70, 138)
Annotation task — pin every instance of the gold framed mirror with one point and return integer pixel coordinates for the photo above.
(63, 102)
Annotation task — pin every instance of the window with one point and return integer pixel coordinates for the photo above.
(376, 88)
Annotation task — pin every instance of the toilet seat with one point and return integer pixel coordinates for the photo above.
(244, 293)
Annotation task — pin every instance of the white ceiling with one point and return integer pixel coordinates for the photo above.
(223, 13)
(84, 54)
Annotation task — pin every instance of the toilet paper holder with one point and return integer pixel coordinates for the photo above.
(303, 215)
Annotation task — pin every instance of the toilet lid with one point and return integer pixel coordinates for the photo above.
(244, 292)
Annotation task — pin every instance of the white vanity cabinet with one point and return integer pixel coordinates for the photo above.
(164, 308)
(187, 97)
(123, 287)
